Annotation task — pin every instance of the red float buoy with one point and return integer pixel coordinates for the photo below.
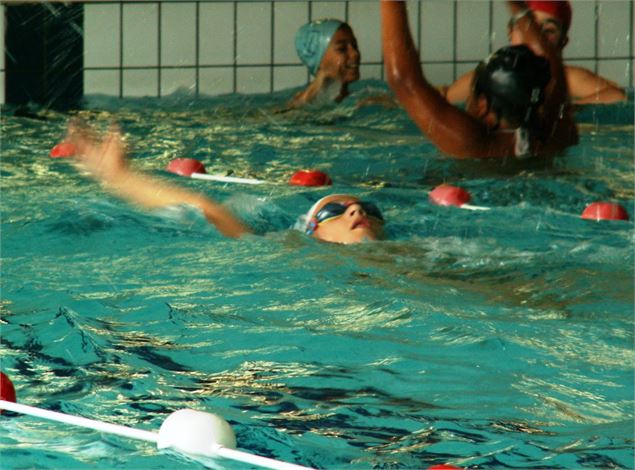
(443, 466)
(7, 391)
(310, 178)
(604, 211)
(185, 166)
(63, 150)
(448, 195)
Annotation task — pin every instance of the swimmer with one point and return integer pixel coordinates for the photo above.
(338, 218)
(518, 104)
(554, 19)
(329, 50)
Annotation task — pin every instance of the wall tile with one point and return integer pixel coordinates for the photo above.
(178, 34)
(253, 80)
(289, 17)
(254, 33)
(216, 28)
(432, 26)
(473, 30)
(364, 19)
(140, 82)
(582, 31)
(102, 35)
(615, 18)
(216, 81)
(436, 30)
(140, 34)
(500, 20)
(439, 74)
(289, 77)
(335, 10)
(104, 82)
(370, 72)
(178, 79)
(414, 20)
(462, 69)
(616, 70)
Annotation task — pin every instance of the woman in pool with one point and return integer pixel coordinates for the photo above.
(518, 104)
(554, 19)
(338, 218)
(329, 50)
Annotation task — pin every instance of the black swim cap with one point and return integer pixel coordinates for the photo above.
(513, 80)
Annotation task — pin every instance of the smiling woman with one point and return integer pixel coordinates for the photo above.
(329, 49)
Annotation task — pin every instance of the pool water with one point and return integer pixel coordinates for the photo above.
(501, 338)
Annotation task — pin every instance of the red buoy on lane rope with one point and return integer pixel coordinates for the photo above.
(7, 391)
(63, 150)
(448, 195)
(604, 211)
(185, 166)
(310, 178)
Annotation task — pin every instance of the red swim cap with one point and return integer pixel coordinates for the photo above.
(560, 9)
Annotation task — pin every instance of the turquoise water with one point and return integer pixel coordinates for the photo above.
(483, 339)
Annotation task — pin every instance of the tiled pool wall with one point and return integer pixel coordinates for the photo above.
(153, 48)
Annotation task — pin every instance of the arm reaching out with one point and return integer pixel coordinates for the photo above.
(105, 159)
(451, 129)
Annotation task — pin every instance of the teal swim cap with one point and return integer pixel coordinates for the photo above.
(312, 40)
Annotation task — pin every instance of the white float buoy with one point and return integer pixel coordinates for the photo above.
(187, 431)
(195, 432)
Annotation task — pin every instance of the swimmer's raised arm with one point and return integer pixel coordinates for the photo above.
(449, 128)
(105, 159)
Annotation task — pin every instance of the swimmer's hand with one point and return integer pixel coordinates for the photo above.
(104, 158)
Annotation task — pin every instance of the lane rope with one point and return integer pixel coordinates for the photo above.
(188, 431)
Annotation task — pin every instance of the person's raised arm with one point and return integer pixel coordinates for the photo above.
(453, 131)
(105, 159)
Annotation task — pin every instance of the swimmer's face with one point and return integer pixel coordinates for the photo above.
(551, 29)
(477, 106)
(354, 225)
(341, 58)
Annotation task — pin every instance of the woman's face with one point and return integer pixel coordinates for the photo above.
(341, 59)
(352, 223)
(551, 29)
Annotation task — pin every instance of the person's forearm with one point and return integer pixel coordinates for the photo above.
(400, 55)
(150, 192)
(105, 160)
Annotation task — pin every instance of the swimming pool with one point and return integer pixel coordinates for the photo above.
(483, 339)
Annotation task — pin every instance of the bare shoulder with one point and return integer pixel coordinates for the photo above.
(579, 73)
(586, 86)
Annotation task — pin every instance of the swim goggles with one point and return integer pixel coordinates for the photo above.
(333, 210)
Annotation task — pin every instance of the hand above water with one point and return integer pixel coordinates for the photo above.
(104, 157)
